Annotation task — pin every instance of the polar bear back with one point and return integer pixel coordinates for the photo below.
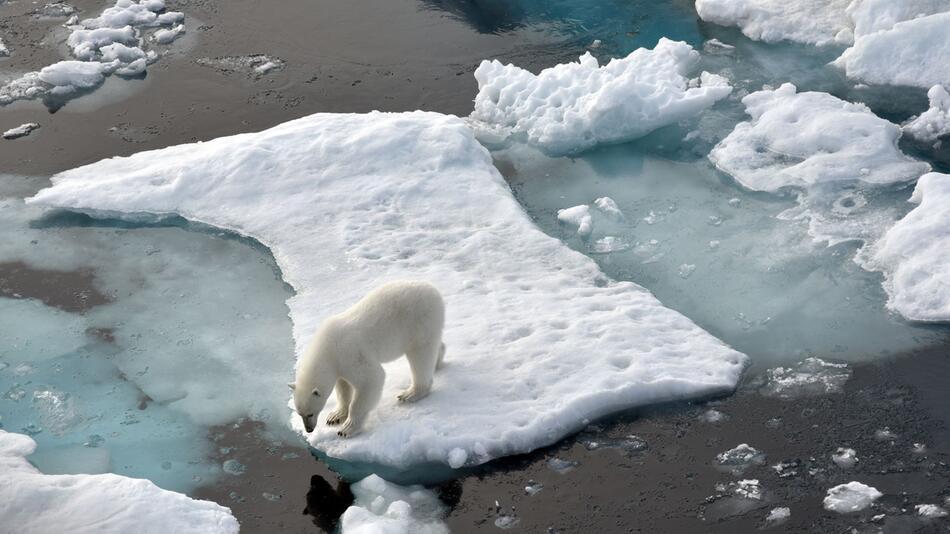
(402, 317)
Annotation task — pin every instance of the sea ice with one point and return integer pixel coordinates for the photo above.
(166, 36)
(914, 254)
(740, 458)
(381, 507)
(22, 130)
(578, 216)
(812, 376)
(350, 202)
(850, 497)
(803, 139)
(574, 106)
(777, 516)
(818, 22)
(912, 52)
(104, 503)
(935, 122)
(845, 458)
(930, 511)
(4, 51)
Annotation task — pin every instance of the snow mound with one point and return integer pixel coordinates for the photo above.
(935, 122)
(818, 22)
(911, 53)
(384, 508)
(803, 139)
(574, 106)
(850, 497)
(914, 254)
(31, 502)
(539, 341)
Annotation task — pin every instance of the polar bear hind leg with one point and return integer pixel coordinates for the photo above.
(344, 395)
(422, 364)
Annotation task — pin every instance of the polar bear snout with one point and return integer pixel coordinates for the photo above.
(309, 422)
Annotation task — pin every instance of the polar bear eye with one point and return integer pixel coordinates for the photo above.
(316, 393)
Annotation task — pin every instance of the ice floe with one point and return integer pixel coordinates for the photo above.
(22, 130)
(935, 122)
(930, 511)
(818, 22)
(914, 254)
(850, 497)
(802, 139)
(346, 202)
(104, 503)
(574, 106)
(578, 216)
(381, 507)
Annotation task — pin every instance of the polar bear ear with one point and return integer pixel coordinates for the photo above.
(292, 386)
(316, 392)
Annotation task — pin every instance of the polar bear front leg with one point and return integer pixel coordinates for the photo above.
(344, 395)
(365, 396)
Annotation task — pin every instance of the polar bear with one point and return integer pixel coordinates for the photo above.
(348, 351)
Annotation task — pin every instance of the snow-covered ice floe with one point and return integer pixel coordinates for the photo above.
(935, 122)
(106, 503)
(381, 507)
(818, 22)
(803, 139)
(574, 106)
(539, 340)
(850, 497)
(22, 130)
(914, 254)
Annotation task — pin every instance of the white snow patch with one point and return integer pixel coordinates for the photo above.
(935, 122)
(538, 341)
(35, 503)
(802, 139)
(914, 254)
(850, 497)
(20, 131)
(381, 507)
(574, 106)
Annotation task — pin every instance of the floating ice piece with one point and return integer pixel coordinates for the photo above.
(802, 139)
(777, 516)
(166, 36)
(608, 207)
(22, 130)
(578, 216)
(608, 244)
(68, 77)
(533, 488)
(34, 503)
(930, 511)
(812, 376)
(870, 16)
(818, 22)
(713, 416)
(850, 497)
(744, 489)
(351, 201)
(574, 106)
(85, 44)
(561, 466)
(935, 122)
(885, 434)
(845, 458)
(914, 254)
(882, 57)
(740, 458)
(123, 60)
(254, 66)
(4, 51)
(384, 508)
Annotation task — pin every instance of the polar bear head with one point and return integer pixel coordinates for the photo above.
(309, 402)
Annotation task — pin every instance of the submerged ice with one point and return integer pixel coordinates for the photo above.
(354, 200)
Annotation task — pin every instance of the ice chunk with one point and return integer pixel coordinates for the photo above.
(349, 203)
(935, 122)
(713, 416)
(930, 511)
(253, 66)
(123, 14)
(22, 130)
(609, 208)
(561, 466)
(578, 216)
(574, 106)
(818, 22)
(870, 16)
(68, 77)
(914, 254)
(802, 139)
(777, 516)
(384, 508)
(740, 458)
(123, 60)
(38, 503)
(812, 376)
(4, 51)
(845, 458)
(850, 497)
(166, 36)
(882, 57)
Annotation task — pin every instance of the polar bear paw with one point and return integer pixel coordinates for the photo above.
(411, 395)
(336, 417)
(348, 429)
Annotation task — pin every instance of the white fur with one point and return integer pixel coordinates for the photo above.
(349, 349)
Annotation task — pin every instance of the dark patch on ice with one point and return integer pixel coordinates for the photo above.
(71, 291)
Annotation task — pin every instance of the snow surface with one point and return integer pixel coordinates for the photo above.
(381, 507)
(539, 341)
(101, 504)
(850, 497)
(818, 22)
(914, 254)
(935, 122)
(20, 131)
(571, 107)
(911, 53)
(803, 139)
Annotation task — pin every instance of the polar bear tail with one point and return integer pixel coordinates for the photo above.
(438, 363)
